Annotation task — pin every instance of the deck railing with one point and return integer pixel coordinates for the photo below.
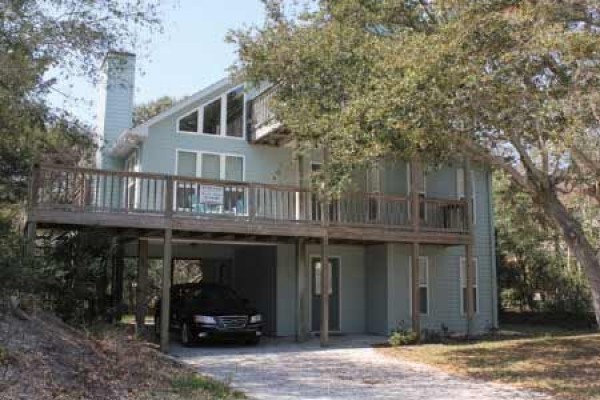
(90, 190)
(262, 113)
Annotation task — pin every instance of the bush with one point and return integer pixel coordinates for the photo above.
(402, 336)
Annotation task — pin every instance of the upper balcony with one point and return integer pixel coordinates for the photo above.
(64, 196)
(264, 127)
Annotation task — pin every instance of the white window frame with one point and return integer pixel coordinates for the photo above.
(222, 162)
(426, 285)
(463, 279)
(185, 116)
(222, 166)
(460, 190)
(223, 128)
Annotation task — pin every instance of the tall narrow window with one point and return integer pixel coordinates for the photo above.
(186, 191)
(211, 166)
(211, 118)
(186, 163)
(234, 168)
(424, 285)
(463, 284)
(189, 123)
(235, 112)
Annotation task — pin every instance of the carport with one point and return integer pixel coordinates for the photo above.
(248, 268)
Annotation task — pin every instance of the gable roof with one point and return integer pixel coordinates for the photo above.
(177, 107)
(130, 138)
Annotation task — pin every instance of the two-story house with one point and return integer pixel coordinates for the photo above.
(213, 179)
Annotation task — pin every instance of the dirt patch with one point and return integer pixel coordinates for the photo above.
(43, 358)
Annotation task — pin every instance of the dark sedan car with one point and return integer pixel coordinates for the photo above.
(203, 311)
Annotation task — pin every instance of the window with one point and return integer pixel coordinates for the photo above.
(463, 285)
(235, 113)
(188, 123)
(211, 118)
(318, 276)
(223, 116)
(423, 284)
(460, 189)
(211, 198)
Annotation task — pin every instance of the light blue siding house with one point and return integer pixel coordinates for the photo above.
(217, 172)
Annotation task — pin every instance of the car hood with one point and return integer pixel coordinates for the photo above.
(224, 308)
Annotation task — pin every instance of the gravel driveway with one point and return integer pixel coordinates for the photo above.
(349, 369)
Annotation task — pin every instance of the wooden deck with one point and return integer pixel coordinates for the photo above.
(193, 207)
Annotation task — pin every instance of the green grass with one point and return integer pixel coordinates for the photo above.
(192, 384)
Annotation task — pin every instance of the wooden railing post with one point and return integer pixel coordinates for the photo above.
(415, 167)
(252, 202)
(169, 196)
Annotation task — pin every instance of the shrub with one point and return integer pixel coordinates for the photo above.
(402, 336)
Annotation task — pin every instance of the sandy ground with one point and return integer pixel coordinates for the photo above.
(349, 369)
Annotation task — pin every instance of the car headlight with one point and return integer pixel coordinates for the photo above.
(256, 319)
(205, 319)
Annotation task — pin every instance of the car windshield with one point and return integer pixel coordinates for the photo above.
(215, 294)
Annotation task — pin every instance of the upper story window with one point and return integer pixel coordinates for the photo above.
(189, 123)
(211, 118)
(235, 112)
(223, 116)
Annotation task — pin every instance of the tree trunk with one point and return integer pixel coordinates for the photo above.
(578, 244)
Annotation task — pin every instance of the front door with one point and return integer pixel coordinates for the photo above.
(334, 294)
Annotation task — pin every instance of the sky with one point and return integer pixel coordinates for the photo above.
(190, 54)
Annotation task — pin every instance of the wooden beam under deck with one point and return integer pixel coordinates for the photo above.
(241, 228)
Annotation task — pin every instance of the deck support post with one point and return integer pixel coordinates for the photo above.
(118, 272)
(30, 236)
(165, 311)
(325, 270)
(302, 292)
(141, 290)
(325, 279)
(416, 295)
(469, 253)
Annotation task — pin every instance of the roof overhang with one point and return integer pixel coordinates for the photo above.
(127, 141)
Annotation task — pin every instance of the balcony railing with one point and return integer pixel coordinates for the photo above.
(79, 190)
(263, 121)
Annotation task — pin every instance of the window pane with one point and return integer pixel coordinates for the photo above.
(235, 113)
(212, 118)
(189, 123)
(423, 306)
(186, 163)
(423, 271)
(234, 168)
(211, 166)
